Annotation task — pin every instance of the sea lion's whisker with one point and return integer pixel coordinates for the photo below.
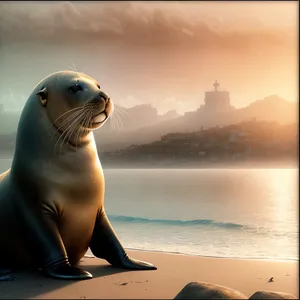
(67, 121)
(78, 133)
(70, 110)
(70, 67)
(119, 108)
(75, 129)
(68, 132)
(65, 132)
(120, 111)
(119, 120)
(117, 111)
(85, 125)
(75, 70)
(123, 109)
(110, 123)
(71, 128)
(113, 122)
(76, 113)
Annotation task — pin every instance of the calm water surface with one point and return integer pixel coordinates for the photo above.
(215, 212)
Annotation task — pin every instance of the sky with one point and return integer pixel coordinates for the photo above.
(166, 54)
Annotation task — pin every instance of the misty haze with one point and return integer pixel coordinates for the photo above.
(200, 155)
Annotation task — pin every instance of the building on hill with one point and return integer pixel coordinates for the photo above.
(216, 101)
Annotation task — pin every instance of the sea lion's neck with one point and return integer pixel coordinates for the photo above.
(77, 137)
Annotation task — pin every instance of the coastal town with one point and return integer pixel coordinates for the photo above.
(251, 141)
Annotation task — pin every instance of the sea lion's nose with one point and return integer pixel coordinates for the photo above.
(104, 96)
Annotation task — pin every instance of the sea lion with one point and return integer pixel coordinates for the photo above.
(52, 197)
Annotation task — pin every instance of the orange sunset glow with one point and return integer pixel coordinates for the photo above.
(164, 54)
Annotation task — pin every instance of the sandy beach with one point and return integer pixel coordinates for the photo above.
(174, 272)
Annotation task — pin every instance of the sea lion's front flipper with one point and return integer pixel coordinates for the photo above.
(45, 242)
(105, 244)
(68, 272)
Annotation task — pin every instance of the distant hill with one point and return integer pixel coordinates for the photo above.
(271, 108)
(252, 142)
(140, 116)
(142, 124)
(126, 121)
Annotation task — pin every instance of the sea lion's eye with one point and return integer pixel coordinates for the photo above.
(98, 86)
(75, 88)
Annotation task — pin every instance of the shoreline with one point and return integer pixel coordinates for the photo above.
(173, 273)
(232, 166)
(213, 256)
(288, 164)
(292, 163)
(204, 168)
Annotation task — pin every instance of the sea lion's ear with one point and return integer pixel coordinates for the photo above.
(42, 94)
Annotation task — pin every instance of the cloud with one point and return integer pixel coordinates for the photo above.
(124, 22)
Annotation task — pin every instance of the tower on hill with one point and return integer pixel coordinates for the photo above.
(216, 100)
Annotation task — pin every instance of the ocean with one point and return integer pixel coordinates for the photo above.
(238, 213)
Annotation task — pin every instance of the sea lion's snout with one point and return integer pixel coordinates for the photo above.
(104, 97)
(105, 107)
(101, 99)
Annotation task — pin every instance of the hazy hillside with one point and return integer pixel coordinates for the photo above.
(257, 142)
(126, 121)
(142, 124)
(271, 108)
(140, 116)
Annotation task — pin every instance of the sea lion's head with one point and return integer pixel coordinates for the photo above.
(67, 94)
(74, 102)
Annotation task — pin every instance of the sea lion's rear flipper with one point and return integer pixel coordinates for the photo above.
(6, 275)
(105, 244)
(45, 242)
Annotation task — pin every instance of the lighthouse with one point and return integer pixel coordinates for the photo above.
(217, 101)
